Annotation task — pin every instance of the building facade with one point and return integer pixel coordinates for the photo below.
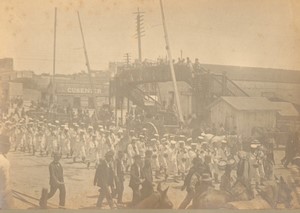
(243, 114)
(76, 91)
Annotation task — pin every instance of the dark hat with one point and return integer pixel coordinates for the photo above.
(56, 154)
(148, 153)
(109, 153)
(196, 161)
(154, 155)
(136, 157)
(206, 177)
(121, 153)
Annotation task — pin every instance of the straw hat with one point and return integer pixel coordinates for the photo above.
(200, 137)
(173, 142)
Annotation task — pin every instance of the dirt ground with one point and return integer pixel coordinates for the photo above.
(29, 174)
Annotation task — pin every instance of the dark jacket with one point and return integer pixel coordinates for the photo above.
(120, 173)
(135, 176)
(104, 175)
(56, 173)
(188, 177)
(147, 171)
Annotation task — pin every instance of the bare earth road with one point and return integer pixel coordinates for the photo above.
(29, 174)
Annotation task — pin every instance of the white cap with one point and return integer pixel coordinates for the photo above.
(254, 145)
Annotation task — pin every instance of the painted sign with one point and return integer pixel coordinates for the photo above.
(74, 90)
(81, 89)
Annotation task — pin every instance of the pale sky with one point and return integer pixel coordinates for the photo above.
(256, 33)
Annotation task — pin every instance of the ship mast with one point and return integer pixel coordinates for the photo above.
(179, 111)
(88, 68)
(54, 57)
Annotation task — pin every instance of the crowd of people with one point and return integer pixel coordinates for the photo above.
(218, 159)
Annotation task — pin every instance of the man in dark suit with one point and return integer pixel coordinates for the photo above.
(136, 179)
(56, 180)
(147, 185)
(104, 178)
(120, 173)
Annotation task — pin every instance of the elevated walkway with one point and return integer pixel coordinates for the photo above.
(205, 85)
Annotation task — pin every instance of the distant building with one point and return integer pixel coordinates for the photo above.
(266, 82)
(6, 64)
(114, 66)
(13, 82)
(76, 91)
(243, 113)
(288, 117)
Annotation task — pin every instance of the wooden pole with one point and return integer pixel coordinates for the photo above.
(139, 29)
(89, 68)
(139, 35)
(54, 56)
(179, 111)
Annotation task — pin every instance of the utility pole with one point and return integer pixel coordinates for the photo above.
(127, 58)
(54, 56)
(88, 67)
(140, 31)
(171, 64)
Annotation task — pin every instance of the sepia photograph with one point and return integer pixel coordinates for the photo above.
(149, 104)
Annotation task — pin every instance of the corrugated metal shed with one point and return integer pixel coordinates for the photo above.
(286, 109)
(249, 103)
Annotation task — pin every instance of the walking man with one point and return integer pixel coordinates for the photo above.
(136, 179)
(56, 182)
(120, 173)
(104, 178)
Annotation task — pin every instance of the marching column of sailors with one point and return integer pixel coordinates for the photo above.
(144, 156)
